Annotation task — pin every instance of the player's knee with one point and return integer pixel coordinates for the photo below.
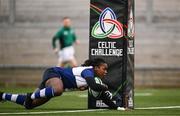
(57, 86)
(58, 91)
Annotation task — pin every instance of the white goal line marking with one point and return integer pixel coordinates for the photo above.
(154, 108)
(52, 112)
(93, 110)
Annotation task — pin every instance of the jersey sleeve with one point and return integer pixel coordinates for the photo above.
(87, 73)
(56, 37)
(58, 34)
(74, 37)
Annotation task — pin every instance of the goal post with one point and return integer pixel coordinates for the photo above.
(111, 38)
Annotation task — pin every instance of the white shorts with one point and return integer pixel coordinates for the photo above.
(66, 54)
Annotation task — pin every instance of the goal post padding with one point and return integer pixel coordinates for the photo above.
(111, 38)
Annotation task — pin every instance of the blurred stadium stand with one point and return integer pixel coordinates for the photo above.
(27, 27)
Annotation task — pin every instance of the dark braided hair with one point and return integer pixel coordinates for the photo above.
(93, 62)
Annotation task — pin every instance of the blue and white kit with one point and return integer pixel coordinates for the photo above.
(71, 77)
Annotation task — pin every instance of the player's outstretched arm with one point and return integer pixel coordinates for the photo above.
(105, 96)
(94, 86)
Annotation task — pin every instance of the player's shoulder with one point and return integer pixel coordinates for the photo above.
(79, 70)
(59, 32)
(72, 30)
(61, 29)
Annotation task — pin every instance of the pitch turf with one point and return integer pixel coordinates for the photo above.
(75, 101)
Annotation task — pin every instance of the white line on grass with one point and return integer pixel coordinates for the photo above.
(136, 94)
(93, 110)
(51, 112)
(143, 94)
(154, 108)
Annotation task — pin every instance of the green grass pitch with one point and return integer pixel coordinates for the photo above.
(73, 101)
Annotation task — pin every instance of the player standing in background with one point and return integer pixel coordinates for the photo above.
(66, 37)
(56, 80)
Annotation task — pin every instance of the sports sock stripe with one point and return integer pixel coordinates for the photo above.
(37, 95)
(4, 96)
(42, 92)
(33, 96)
(8, 97)
(14, 97)
(47, 92)
(17, 98)
(21, 99)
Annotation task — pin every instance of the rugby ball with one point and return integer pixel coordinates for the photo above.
(93, 93)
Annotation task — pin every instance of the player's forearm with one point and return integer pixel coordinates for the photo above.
(108, 101)
(54, 42)
(98, 87)
(94, 86)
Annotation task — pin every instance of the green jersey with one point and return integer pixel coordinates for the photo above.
(65, 36)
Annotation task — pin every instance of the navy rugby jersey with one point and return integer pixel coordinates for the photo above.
(74, 77)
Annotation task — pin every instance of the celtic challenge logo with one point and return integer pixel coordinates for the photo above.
(107, 26)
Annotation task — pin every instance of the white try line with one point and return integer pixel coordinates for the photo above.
(52, 112)
(143, 94)
(154, 108)
(93, 110)
(136, 94)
